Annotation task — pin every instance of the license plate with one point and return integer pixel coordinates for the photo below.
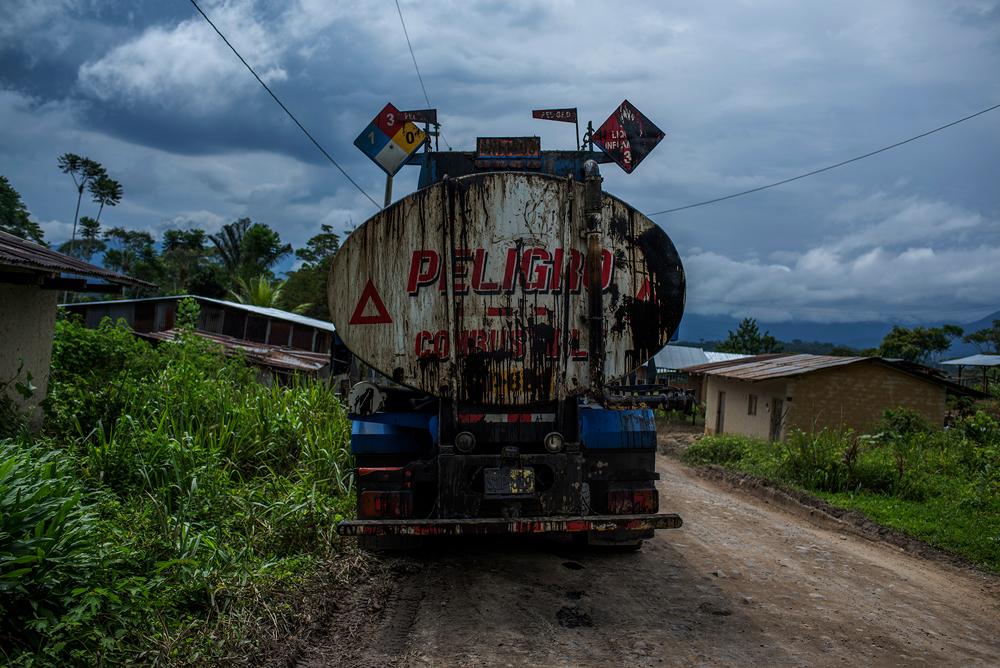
(509, 481)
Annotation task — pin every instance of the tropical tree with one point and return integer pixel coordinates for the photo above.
(14, 216)
(228, 243)
(105, 191)
(748, 340)
(84, 171)
(90, 240)
(918, 344)
(258, 291)
(248, 249)
(133, 252)
(184, 256)
(306, 286)
(987, 340)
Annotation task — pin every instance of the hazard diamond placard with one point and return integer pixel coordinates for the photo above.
(389, 139)
(627, 136)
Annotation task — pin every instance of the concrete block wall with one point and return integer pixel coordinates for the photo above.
(856, 396)
(27, 327)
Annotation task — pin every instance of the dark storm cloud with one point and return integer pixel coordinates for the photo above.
(748, 93)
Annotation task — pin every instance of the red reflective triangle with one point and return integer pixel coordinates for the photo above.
(370, 294)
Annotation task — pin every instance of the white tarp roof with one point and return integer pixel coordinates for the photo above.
(680, 357)
(975, 360)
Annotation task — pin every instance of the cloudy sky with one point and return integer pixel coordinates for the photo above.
(748, 93)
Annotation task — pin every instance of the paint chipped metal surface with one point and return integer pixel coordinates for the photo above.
(475, 289)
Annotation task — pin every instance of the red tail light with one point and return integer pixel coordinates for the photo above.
(385, 505)
(630, 501)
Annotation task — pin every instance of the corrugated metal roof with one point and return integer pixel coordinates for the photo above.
(764, 367)
(18, 252)
(975, 360)
(260, 354)
(259, 310)
(709, 366)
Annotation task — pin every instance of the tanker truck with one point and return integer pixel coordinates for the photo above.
(499, 304)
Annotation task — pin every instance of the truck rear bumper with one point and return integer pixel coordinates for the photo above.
(500, 525)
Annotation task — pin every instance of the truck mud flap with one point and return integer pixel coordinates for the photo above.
(500, 525)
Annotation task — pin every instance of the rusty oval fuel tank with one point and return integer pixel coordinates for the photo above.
(475, 289)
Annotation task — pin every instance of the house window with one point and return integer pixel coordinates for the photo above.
(752, 404)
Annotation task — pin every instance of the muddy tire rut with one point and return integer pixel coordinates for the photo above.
(745, 581)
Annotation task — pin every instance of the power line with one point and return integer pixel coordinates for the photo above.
(828, 168)
(285, 109)
(419, 78)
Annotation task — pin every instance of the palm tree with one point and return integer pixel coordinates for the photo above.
(83, 171)
(228, 242)
(258, 291)
(105, 191)
(248, 249)
(90, 240)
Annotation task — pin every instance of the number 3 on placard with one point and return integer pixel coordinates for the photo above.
(389, 120)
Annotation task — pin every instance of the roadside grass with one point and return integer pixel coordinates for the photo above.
(168, 506)
(941, 486)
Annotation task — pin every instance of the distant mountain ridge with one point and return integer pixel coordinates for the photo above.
(865, 334)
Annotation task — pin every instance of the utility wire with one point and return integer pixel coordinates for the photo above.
(828, 168)
(419, 78)
(285, 109)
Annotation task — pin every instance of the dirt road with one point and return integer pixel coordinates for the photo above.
(745, 582)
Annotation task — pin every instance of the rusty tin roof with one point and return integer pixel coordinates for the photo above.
(764, 367)
(259, 354)
(23, 254)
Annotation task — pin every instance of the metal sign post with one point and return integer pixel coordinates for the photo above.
(567, 115)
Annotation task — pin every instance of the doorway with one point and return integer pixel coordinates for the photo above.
(777, 417)
(720, 413)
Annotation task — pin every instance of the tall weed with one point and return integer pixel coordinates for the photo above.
(174, 489)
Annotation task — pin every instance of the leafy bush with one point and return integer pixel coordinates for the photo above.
(47, 540)
(719, 450)
(171, 493)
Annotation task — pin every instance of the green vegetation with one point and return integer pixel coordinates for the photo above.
(940, 486)
(919, 344)
(14, 216)
(986, 339)
(748, 340)
(169, 498)
(236, 262)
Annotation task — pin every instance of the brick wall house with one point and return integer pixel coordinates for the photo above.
(769, 396)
